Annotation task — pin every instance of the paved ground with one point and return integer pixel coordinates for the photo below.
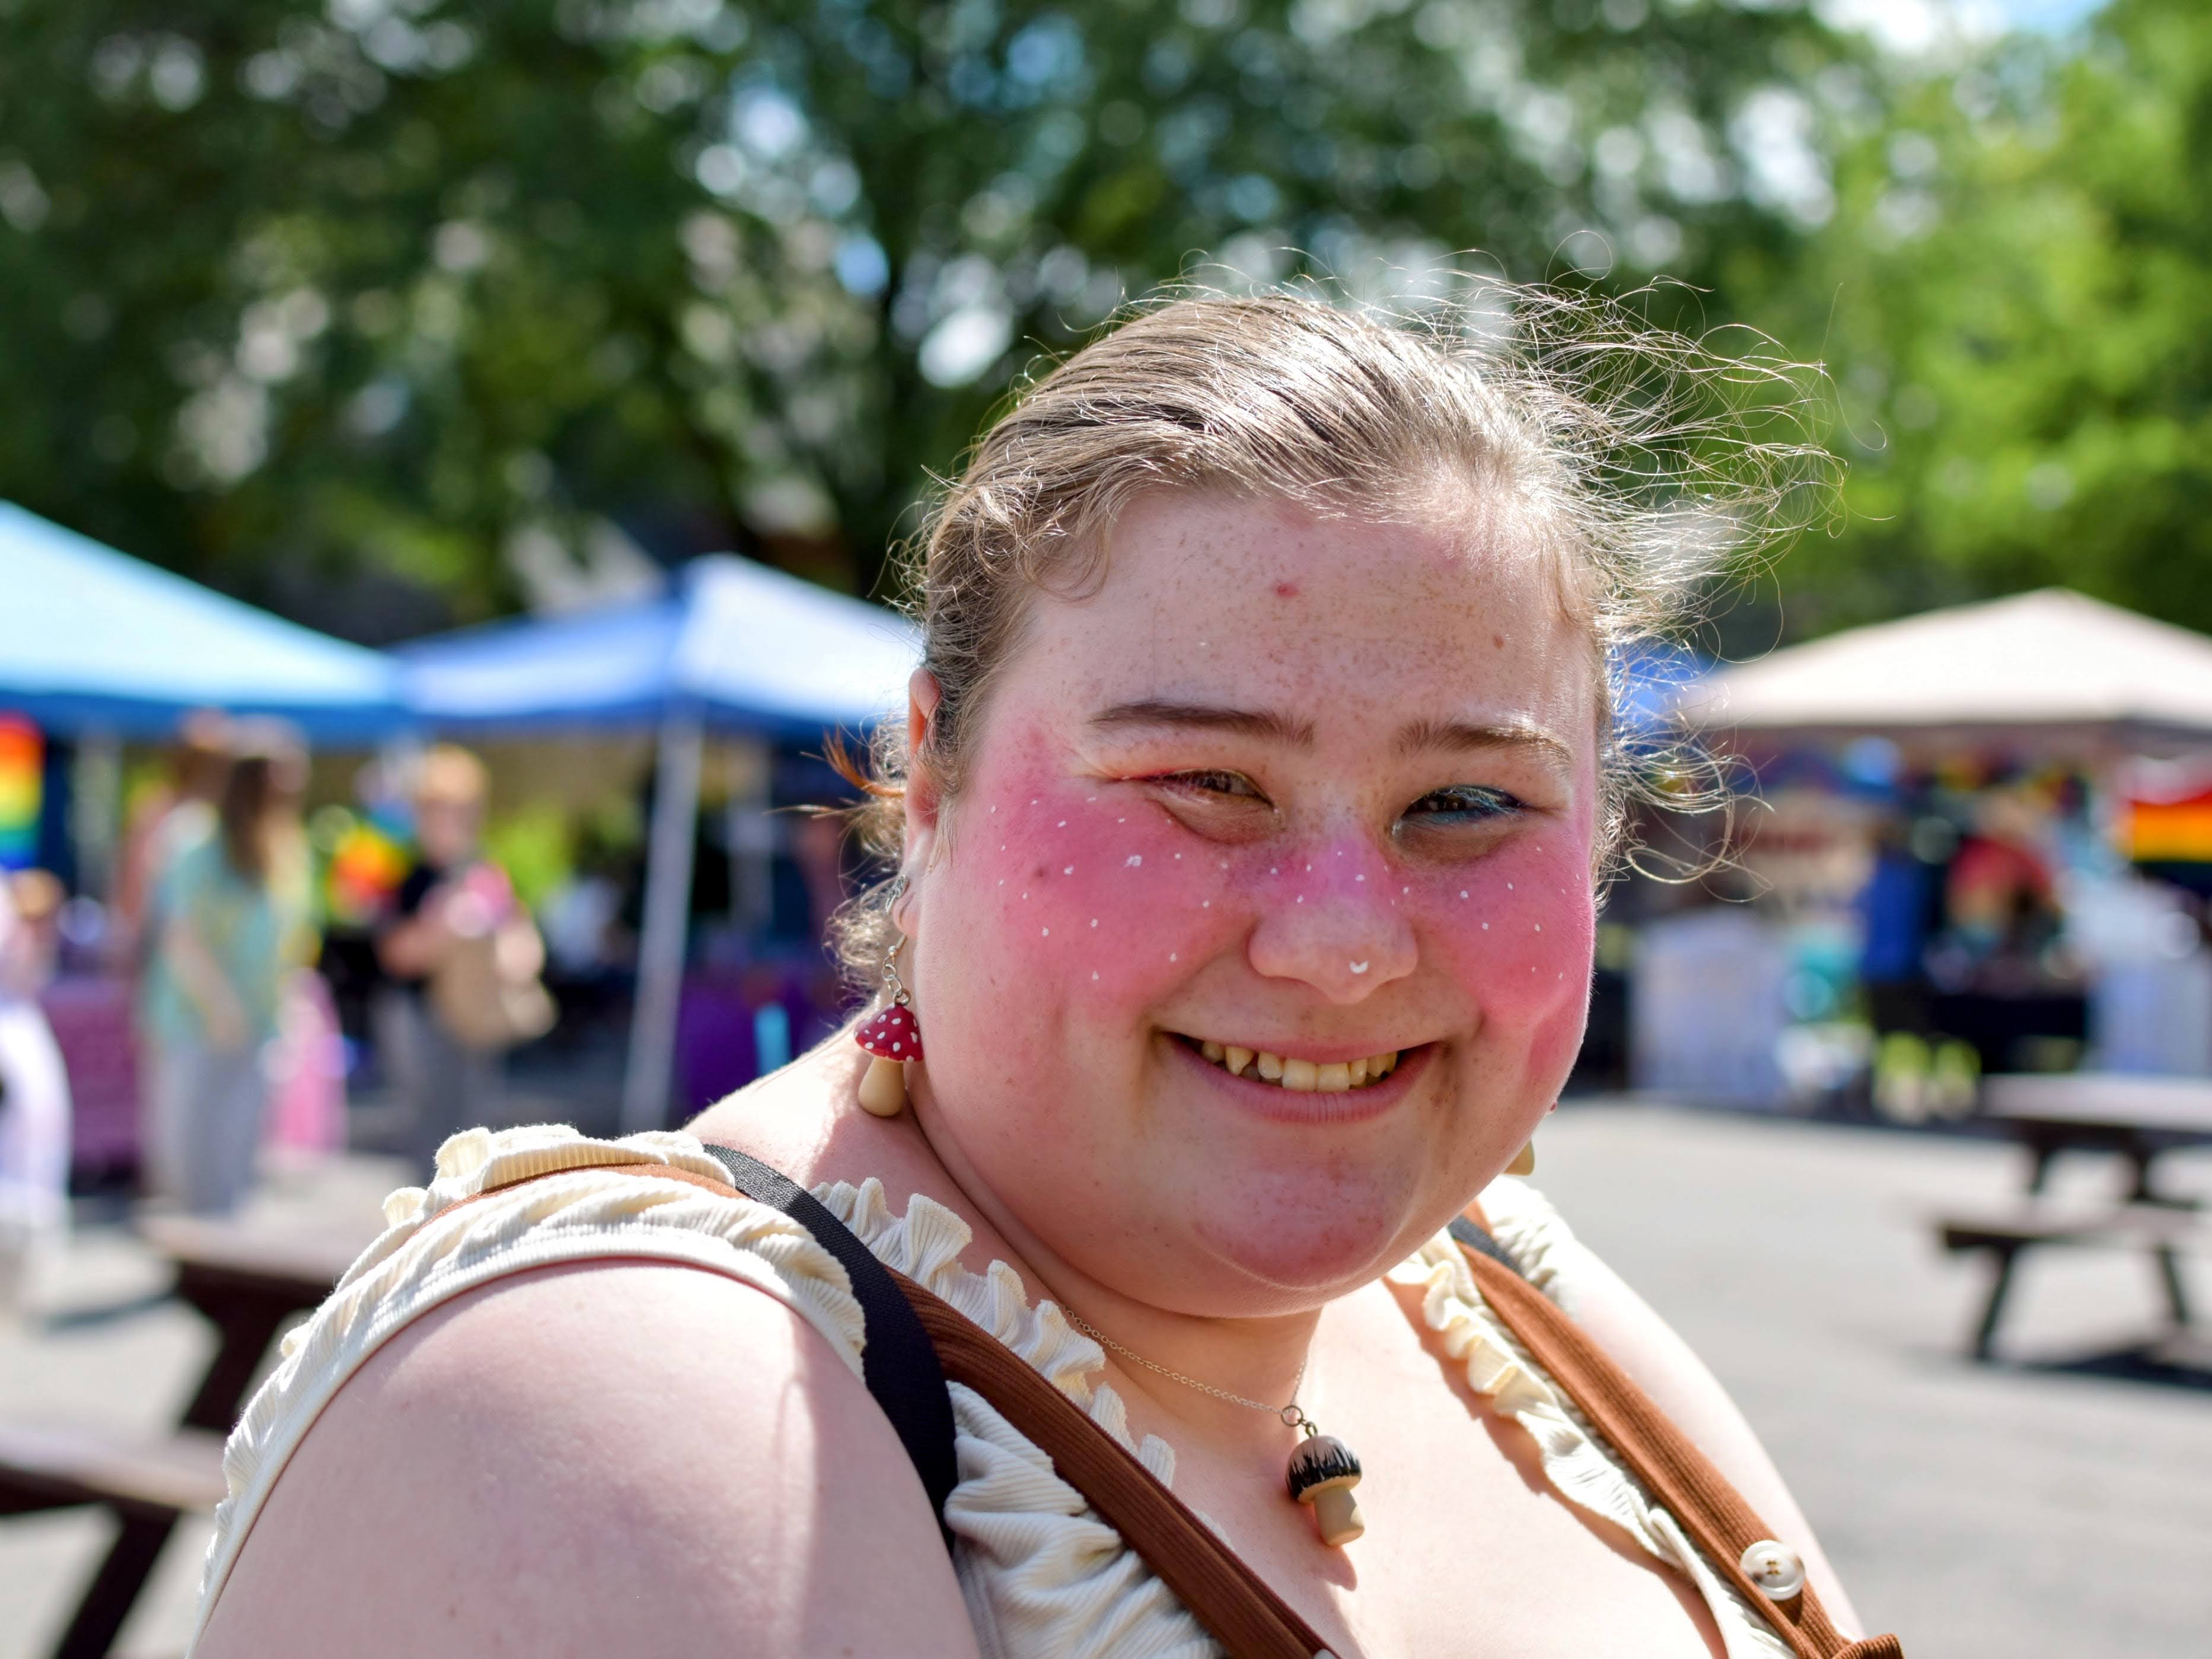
(2037, 1509)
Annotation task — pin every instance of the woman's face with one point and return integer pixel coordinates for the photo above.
(1319, 789)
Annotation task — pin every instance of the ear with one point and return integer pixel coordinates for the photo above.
(925, 798)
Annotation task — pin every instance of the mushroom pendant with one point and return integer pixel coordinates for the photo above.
(893, 1037)
(1321, 1474)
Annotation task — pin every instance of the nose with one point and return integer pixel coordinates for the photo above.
(1334, 929)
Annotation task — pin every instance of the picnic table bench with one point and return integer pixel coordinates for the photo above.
(248, 1282)
(2139, 1118)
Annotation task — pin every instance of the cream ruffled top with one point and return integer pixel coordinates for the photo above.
(1042, 1575)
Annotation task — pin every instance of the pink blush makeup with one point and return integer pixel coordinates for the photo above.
(1094, 885)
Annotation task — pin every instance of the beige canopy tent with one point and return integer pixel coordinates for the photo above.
(2053, 668)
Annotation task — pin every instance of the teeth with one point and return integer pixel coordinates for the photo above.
(1305, 1076)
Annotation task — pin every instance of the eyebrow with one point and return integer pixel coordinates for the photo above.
(1466, 736)
(1462, 737)
(1261, 723)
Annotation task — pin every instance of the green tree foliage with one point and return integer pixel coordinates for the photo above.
(293, 289)
(2018, 288)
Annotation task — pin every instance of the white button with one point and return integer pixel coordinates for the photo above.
(1774, 1568)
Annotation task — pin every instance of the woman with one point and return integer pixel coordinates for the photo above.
(453, 894)
(232, 909)
(1254, 785)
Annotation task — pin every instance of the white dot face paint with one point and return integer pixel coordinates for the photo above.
(1094, 922)
(1046, 933)
(1069, 871)
(1357, 967)
(1133, 861)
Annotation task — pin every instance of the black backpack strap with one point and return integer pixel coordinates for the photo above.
(898, 1361)
(1465, 1230)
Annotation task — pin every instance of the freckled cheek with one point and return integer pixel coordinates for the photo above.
(1114, 905)
(1518, 946)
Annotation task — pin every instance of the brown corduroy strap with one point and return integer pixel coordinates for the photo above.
(1683, 1478)
(1246, 1617)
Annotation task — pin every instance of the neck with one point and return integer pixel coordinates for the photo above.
(1263, 1358)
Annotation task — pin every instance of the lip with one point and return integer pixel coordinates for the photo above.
(1277, 1104)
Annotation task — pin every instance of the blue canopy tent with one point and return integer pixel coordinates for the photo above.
(96, 644)
(736, 648)
(738, 645)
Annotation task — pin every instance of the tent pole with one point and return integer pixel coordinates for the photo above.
(751, 834)
(667, 915)
(96, 811)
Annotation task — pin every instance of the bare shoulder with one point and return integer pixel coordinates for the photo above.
(1683, 1387)
(610, 1457)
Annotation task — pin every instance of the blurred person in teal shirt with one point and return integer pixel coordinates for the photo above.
(233, 901)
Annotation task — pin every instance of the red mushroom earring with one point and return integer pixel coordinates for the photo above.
(891, 1037)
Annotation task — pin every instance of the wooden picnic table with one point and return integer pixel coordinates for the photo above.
(248, 1281)
(2138, 1117)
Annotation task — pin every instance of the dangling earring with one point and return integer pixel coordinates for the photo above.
(891, 1037)
(1524, 1161)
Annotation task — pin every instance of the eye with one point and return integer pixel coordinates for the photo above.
(1230, 785)
(1462, 804)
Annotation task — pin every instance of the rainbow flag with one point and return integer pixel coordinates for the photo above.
(2176, 830)
(22, 757)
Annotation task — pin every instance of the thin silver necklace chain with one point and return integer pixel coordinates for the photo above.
(1292, 1415)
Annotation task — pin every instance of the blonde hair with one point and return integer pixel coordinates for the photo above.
(450, 775)
(1638, 464)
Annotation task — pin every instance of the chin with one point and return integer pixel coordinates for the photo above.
(1313, 1233)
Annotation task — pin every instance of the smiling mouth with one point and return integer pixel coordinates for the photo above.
(1300, 1076)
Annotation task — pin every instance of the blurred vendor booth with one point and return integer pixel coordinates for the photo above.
(710, 704)
(102, 659)
(1982, 841)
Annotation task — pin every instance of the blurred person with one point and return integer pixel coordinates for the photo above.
(457, 947)
(173, 814)
(233, 918)
(34, 1091)
(1247, 823)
